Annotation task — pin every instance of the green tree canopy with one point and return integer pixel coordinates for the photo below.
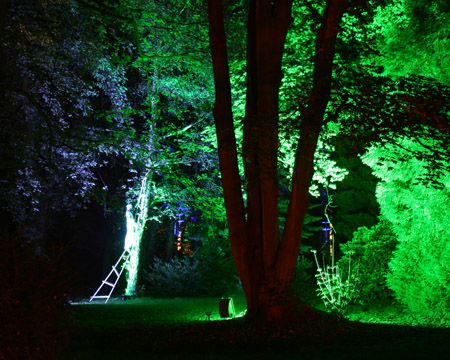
(414, 38)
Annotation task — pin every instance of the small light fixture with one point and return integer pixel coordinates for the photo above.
(208, 314)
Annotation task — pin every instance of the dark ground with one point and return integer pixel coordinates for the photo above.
(238, 340)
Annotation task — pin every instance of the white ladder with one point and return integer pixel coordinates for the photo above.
(114, 272)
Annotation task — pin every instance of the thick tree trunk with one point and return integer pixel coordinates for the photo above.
(264, 263)
(267, 28)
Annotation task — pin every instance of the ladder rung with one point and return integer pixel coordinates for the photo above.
(124, 259)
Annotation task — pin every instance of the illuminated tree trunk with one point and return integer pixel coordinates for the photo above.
(136, 217)
(265, 259)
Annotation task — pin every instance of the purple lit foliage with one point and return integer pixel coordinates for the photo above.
(90, 104)
(45, 109)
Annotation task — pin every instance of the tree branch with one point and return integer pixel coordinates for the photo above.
(104, 10)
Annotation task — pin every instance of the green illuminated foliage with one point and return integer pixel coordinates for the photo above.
(326, 171)
(304, 282)
(370, 251)
(355, 200)
(390, 75)
(418, 212)
(414, 38)
(296, 82)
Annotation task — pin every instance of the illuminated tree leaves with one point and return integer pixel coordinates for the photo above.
(418, 212)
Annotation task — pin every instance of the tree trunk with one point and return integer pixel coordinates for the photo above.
(264, 263)
(311, 125)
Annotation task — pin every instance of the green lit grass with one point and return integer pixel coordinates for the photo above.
(149, 312)
(96, 322)
(178, 328)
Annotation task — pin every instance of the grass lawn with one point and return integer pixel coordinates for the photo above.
(149, 311)
(149, 328)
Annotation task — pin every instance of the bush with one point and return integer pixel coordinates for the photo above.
(216, 266)
(370, 251)
(34, 311)
(304, 283)
(419, 271)
(418, 210)
(210, 272)
(419, 275)
(178, 277)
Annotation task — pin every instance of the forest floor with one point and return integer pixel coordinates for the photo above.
(179, 329)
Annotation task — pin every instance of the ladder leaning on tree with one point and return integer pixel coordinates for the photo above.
(116, 272)
(130, 257)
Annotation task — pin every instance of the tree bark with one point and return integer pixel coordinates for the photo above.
(265, 264)
(311, 125)
(226, 140)
(267, 28)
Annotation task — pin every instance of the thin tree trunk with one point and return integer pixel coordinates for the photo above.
(311, 124)
(231, 182)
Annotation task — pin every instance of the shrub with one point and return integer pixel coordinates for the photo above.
(216, 266)
(178, 277)
(419, 271)
(34, 311)
(304, 282)
(418, 210)
(419, 275)
(210, 272)
(371, 251)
